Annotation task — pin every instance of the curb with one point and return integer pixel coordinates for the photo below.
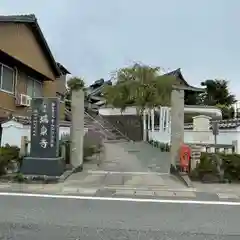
(183, 177)
(41, 179)
(127, 173)
(152, 188)
(35, 179)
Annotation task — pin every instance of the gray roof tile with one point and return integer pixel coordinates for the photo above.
(223, 124)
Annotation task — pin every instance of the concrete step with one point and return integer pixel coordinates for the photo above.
(173, 182)
(122, 140)
(129, 181)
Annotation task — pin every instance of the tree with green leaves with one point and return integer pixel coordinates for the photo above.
(218, 94)
(192, 98)
(141, 86)
(75, 83)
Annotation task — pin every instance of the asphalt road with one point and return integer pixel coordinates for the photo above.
(28, 218)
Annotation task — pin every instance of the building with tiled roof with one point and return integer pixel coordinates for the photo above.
(27, 66)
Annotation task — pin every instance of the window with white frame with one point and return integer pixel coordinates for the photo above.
(7, 76)
(34, 88)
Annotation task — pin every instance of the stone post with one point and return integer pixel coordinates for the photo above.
(177, 124)
(77, 128)
(201, 123)
(201, 129)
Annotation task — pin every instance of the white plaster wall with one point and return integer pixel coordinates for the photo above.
(13, 131)
(190, 136)
(12, 135)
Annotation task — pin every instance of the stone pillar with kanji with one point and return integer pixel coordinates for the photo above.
(44, 156)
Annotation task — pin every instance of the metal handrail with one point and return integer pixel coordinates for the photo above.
(115, 128)
(123, 135)
(105, 128)
(98, 123)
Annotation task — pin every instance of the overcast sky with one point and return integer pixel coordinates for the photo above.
(92, 38)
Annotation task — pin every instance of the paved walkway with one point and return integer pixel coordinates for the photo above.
(125, 173)
(151, 158)
(133, 157)
(117, 158)
(123, 168)
(123, 180)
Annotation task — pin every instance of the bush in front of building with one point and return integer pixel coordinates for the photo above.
(231, 166)
(9, 159)
(163, 147)
(207, 167)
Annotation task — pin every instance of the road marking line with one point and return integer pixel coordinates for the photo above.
(151, 188)
(227, 196)
(130, 173)
(175, 201)
(87, 191)
(5, 185)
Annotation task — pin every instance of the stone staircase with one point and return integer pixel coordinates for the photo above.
(99, 128)
(99, 125)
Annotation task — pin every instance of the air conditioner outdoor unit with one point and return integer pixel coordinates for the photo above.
(25, 100)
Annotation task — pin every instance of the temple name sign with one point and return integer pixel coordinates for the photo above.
(44, 156)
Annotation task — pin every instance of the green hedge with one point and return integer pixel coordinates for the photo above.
(163, 147)
(230, 166)
(7, 155)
